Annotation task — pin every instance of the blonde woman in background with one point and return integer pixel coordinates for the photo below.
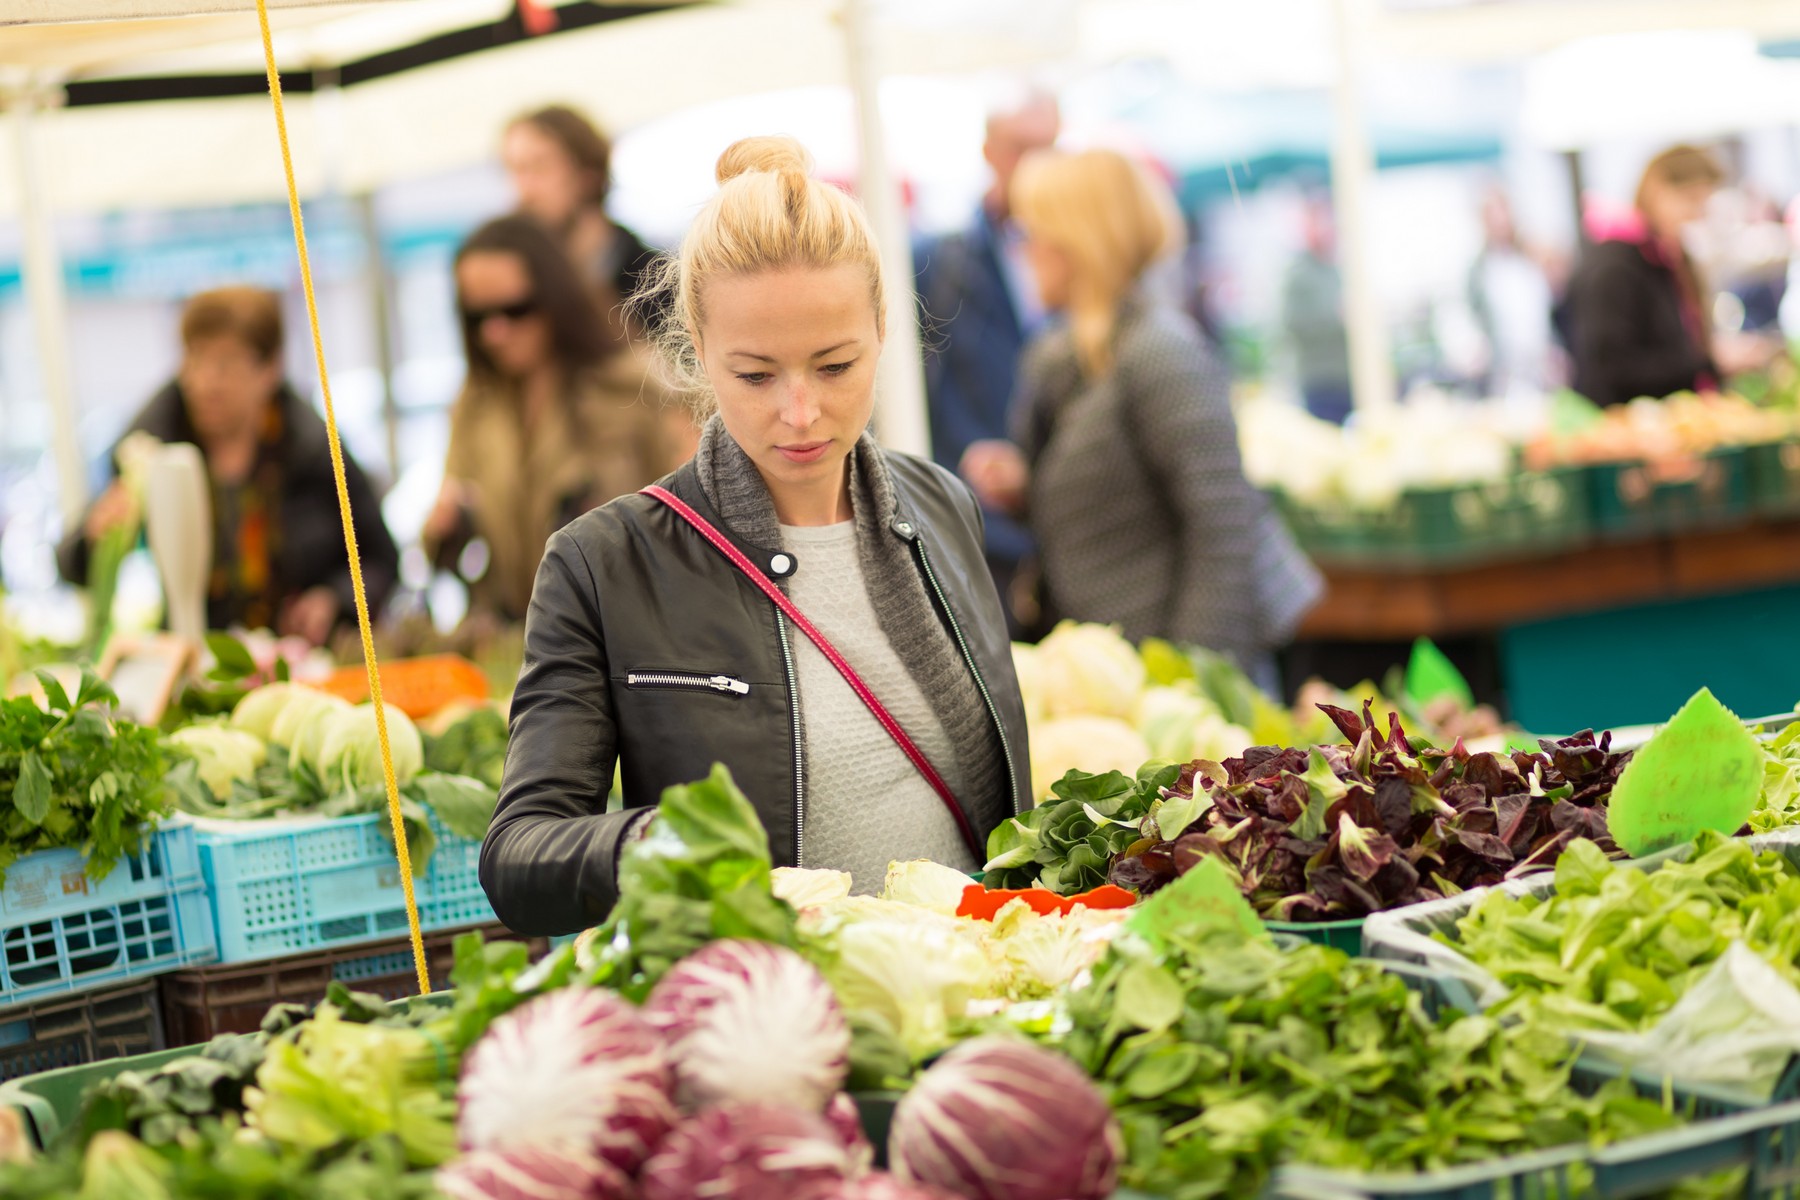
(648, 647)
(1124, 456)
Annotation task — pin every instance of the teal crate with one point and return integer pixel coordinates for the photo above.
(1339, 935)
(1774, 477)
(62, 932)
(280, 888)
(1629, 500)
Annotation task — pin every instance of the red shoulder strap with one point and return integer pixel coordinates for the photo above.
(780, 599)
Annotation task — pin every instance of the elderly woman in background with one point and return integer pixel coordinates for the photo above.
(1125, 453)
(278, 547)
(555, 418)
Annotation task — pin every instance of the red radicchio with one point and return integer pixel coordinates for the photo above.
(879, 1185)
(532, 1173)
(1000, 1119)
(749, 1152)
(750, 1022)
(844, 1117)
(577, 1071)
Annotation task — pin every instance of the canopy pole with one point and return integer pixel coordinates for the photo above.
(1352, 175)
(26, 98)
(900, 414)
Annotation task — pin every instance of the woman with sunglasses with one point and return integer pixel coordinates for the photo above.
(554, 418)
(673, 630)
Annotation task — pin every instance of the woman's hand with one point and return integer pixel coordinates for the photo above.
(310, 615)
(996, 469)
(111, 510)
(447, 512)
(1737, 353)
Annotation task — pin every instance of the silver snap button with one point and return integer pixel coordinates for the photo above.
(781, 564)
(904, 528)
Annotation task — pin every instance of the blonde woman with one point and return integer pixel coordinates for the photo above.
(1125, 453)
(670, 631)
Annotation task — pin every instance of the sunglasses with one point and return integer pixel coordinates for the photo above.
(518, 310)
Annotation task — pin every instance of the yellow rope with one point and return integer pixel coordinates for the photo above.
(343, 494)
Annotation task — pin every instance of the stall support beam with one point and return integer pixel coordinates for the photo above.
(900, 413)
(26, 99)
(1352, 177)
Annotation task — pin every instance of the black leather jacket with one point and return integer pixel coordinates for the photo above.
(632, 615)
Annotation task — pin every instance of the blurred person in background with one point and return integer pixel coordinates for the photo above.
(554, 417)
(1511, 296)
(981, 307)
(561, 170)
(1639, 315)
(1125, 452)
(1312, 316)
(278, 546)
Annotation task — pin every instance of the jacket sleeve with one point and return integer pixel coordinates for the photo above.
(1176, 398)
(549, 862)
(1613, 355)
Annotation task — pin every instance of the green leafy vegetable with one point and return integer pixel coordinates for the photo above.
(473, 746)
(73, 775)
(1233, 1056)
(1060, 845)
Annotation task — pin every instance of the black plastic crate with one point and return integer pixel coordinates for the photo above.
(109, 1023)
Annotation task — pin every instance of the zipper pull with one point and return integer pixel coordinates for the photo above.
(725, 683)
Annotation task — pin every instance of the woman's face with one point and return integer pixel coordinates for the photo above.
(791, 355)
(495, 295)
(227, 386)
(1670, 208)
(551, 188)
(1051, 269)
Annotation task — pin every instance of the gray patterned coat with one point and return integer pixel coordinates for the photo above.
(1139, 502)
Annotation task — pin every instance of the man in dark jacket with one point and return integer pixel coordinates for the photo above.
(278, 546)
(981, 307)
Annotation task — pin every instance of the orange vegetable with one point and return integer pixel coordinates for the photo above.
(984, 903)
(418, 687)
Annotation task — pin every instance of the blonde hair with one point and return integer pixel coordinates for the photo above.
(769, 214)
(1113, 220)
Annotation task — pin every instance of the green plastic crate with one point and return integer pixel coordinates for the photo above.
(1526, 513)
(1339, 935)
(1630, 502)
(1774, 477)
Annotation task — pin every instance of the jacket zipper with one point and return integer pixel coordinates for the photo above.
(787, 662)
(1012, 777)
(685, 681)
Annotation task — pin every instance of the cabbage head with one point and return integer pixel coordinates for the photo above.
(1088, 670)
(257, 712)
(1093, 744)
(223, 755)
(350, 753)
(301, 705)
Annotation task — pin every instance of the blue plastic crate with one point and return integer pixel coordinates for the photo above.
(61, 932)
(285, 887)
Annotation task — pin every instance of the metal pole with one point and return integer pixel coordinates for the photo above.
(383, 326)
(900, 413)
(1352, 172)
(25, 98)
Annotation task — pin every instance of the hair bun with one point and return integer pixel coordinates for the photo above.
(776, 155)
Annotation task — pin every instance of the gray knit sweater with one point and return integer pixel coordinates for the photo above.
(1138, 499)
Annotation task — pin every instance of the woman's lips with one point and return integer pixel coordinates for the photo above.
(804, 452)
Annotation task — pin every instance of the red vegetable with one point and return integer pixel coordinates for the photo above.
(984, 903)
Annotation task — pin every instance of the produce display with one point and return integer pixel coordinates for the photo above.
(1320, 834)
(1669, 434)
(701, 1043)
(72, 774)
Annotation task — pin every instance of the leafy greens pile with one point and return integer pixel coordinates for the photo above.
(1232, 1057)
(1614, 947)
(72, 774)
(1327, 833)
